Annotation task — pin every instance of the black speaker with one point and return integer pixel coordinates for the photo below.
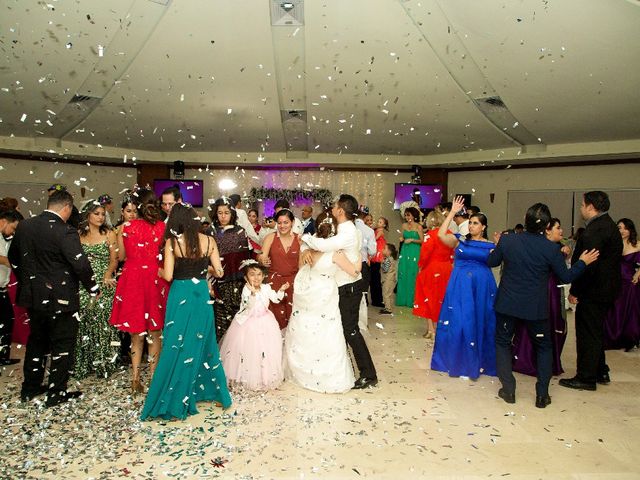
(417, 174)
(178, 169)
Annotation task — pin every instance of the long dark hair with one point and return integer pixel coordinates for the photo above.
(629, 225)
(83, 226)
(213, 212)
(184, 222)
(483, 220)
(147, 205)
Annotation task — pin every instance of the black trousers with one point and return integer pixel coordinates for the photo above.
(6, 324)
(375, 285)
(50, 333)
(540, 335)
(349, 303)
(589, 344)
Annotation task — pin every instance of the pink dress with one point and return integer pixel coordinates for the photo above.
(141, 295)
(251, 350)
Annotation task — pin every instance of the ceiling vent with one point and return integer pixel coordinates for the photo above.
(287, 13)
(499, 114)
(83, 98)
(493, 102)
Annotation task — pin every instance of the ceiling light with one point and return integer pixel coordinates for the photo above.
(227, 184)
(287, 6)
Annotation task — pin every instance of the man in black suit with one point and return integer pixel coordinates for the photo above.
(49, 262)
(523, 297)
(594, 292)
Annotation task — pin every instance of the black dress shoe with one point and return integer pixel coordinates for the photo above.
(28, 396)
(61, 397)
(9, 361)
(507, 397)
(364, 382)
(577, 384)
(543, 401)
(603, 379)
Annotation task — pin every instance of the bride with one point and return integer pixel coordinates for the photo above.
(315, 353)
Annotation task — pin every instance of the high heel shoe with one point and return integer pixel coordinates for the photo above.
(136, 387)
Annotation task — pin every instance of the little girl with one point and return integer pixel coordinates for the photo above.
(389, 270)
(251, 350)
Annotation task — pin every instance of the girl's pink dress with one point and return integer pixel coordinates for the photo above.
(251, 350)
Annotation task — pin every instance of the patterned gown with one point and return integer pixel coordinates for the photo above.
(98, 345)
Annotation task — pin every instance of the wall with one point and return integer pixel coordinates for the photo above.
(371, 188)
(37, 176)
(481, 183)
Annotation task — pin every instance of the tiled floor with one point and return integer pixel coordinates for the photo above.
(415, 424)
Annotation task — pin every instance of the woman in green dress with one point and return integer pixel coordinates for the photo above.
(189, 370)
(412, 237)
(98, 344)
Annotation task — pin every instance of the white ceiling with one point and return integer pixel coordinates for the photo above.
(390, 79)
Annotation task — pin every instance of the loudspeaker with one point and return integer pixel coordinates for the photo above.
(417, 174)
(178, 169)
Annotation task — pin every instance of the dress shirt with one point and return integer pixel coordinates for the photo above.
(463, 228)
(243, 221)
(368, 246)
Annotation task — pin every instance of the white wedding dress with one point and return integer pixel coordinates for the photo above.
(315, 351)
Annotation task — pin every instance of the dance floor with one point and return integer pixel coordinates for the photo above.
(415, 424)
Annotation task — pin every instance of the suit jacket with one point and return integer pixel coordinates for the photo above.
(601, 281)
(310, 227)
(50, 264)
(524, 287)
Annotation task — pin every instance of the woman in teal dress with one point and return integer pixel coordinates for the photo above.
(465, 337)
(98, 342)
(189, 369)
(412, 237)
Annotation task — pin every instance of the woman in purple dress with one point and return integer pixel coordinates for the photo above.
(622, 324)
(524, 357)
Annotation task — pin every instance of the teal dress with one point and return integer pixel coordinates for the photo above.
(407, 269)
(98, 343)
(189, 369)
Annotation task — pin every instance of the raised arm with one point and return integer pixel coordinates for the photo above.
(449, 239)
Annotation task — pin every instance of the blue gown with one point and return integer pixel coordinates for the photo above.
(189, 369)
(465, 337)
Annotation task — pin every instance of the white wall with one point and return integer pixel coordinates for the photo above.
(581, 178)
(30, 178)
(371, 188)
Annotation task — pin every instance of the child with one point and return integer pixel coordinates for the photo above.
(389, 270)
(251, 350)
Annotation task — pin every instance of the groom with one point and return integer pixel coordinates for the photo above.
(344, 210)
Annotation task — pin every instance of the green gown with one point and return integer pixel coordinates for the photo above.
(407, 269)
(98, 344)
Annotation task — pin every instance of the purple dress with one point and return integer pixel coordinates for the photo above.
(622, 323)
(524, 356)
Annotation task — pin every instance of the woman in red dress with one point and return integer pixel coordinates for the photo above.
(141, 295)
(280, 252)
(435, 265)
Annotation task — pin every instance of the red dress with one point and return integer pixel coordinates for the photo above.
(435, 265)
(141, 295)
(284, 267)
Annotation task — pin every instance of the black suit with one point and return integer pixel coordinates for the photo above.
(50, 264)
(596, 291)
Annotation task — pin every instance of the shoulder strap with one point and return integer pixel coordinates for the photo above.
(179, 247)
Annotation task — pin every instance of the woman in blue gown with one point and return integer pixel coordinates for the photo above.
(465, 337)
(189, 369)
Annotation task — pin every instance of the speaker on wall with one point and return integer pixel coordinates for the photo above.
(178, 169)
(417, 174)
